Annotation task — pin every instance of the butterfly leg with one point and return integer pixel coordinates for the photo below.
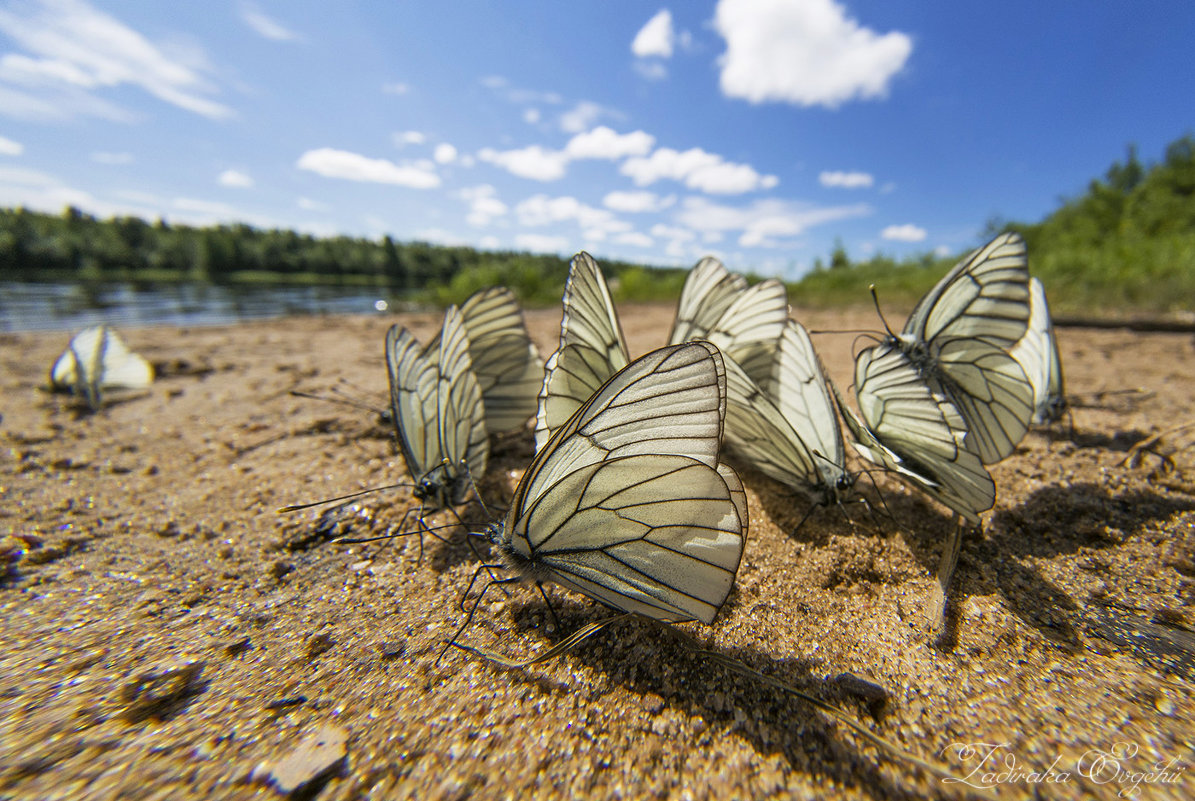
(555, 620)
(473, 609)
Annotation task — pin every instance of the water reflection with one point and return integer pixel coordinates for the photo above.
(38, 306)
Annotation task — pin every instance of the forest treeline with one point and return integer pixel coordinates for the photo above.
(1126, 244)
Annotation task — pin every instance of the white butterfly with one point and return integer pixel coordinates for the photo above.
(744, 321)
(1037, 353)
(915, 432)
(505, 361)
(958, 336)
(98, 359)
(626, 502)
(436, 404)
(790, 431)
(714, 305)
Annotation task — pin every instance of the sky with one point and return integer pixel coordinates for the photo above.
(760, 131)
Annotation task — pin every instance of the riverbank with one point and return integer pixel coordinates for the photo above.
(145, 538)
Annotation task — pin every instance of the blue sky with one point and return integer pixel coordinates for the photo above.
(761, 131)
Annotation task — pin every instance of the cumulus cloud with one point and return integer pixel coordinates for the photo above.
(101, 157)
(10, 148)
(395, 88)
(484, 205)
(74, 49)
(637, 202)
(605, 143)
(235, 178)
(762, 223)
(444, 153)
(582, 116)
(808, 53)
(635, 239)
(307, 204)
(656, 37)
(541, 243)
(845, 180)
(541, 210)
(404, 138)
(265, 26)
(332, 163)
(904, 233)
(531, 116)
(697, 169)
(534, 162)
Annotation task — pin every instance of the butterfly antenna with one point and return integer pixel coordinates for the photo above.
(297, 506)
(875, 298)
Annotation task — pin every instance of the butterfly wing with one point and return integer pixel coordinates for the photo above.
(656, 534)
(460, 411)
(920, 428)
(798, 385)
(413, 398)
(958, 337)
(505, 361)
(589, 330)
(758, 431)
(708, 291)
(1037, 353)
(627, 502)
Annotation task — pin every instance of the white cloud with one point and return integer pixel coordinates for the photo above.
(656, 37)
(265, 26)
(101, 157)
(439, 236)
(10, 148)
(484, 205)
(637, 202)
(444, 153)
(763, 221)
(651, 70)
(845, 180)
(531, 116)
(207, 208)
(236, 179)
(942, 251)
(697, 169)
(904, 233)
(534, 162)
(404, 138)
(332, 163)
(539, 210)
(605, 143)
(808, 53)
(395, 88)
(72, 45)
(541, 243)
(307, 204)
(581, 117)
(489, 243)
(635, 238)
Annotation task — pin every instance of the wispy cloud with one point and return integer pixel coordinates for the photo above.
(541, 210)
(332, 163)
(235, 179)
(10, 148)
(73, 46)
(846, 180)
(809, 53)
(484, 205)
(764, 222)
(637, 202)
(697, 169)
(904, 233)
(115, 159)
(542, 243)
(265, 26)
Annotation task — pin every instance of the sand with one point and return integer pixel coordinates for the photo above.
(166, 634)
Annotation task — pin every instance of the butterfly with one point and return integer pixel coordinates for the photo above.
(98, 359)
(915, 432)
(744, 321)
(506, 363)
(958, 336)
(436, 405)
(1037, 353)
(714, 306)
(627, 503)
(788, 429)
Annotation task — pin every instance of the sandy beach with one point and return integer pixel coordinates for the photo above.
(166, 634)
